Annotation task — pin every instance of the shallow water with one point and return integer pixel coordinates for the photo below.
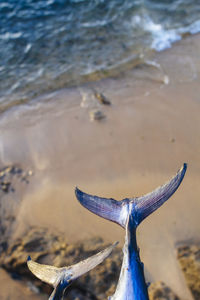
(50, 44)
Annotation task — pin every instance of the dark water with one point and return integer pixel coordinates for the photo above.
(49, 44)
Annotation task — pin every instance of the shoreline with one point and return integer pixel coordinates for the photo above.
(151, 127)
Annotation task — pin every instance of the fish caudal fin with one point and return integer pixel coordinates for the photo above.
(118, 211)
(147, 204)
(110, 209)
(60, 278)
(46, 273)
(91, 262)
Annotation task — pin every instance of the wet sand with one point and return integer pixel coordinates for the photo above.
(151, 128)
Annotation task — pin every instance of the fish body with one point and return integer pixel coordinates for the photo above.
(129, 213)
(131, 284)
(58, 292)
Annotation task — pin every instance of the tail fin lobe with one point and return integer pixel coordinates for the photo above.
(91, 262)
(46, 273)
(147, 204)
(118, 211)
(110, 209)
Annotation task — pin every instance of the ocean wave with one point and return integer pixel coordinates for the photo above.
(161, 38)
(53, 43)
(194, 27)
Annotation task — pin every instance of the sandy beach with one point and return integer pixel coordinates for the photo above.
(150, 129)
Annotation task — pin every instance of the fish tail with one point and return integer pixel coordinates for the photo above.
(110, 209)
(139, 207)
(60, 278)
(147, 204)
(46, 273)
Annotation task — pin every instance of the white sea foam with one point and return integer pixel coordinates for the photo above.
(10, 35)
(95, 24)
(27, 48)
(162, 38)
(194, 27)
(49, 2)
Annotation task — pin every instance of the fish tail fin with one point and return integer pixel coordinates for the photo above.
(60, 278)
(91, 262)
(46, 273)
(140, 207)
(110, 209)
(147, 204)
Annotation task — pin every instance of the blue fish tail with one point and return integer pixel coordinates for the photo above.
(140, 207)
(110, 209)
(147, 204)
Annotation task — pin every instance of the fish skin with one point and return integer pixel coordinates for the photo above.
(58, 292)
(129, 213)
(61, 278)
(131, 284)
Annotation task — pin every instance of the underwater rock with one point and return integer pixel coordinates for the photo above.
(189, 259)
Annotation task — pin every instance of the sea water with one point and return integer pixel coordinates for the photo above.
(49, 44)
